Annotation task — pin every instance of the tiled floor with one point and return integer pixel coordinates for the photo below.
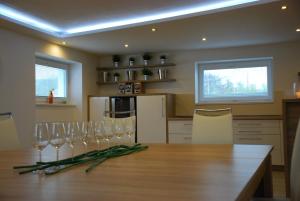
(278, 184)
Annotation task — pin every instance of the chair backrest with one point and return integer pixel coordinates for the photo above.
(8, 133)
(295, 167)
(212, 126)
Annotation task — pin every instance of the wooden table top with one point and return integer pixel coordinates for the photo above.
(160, 173)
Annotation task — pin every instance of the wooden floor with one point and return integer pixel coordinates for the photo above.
(278, 184)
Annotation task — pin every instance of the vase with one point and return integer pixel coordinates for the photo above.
(116, 78)
(145, 62)
(130, 75)
(162, 74)
(116, 64)
(146, 77)
(162, 61)
(130, 63)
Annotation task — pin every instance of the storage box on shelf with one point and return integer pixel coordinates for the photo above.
(135, 67)
(245, 131)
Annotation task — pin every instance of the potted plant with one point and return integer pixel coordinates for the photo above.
(163, 59)
(116, 76)
(147, 72)
(116, 59)
(131, 61)
(146, 58)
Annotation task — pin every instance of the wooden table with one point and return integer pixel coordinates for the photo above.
(161, 173)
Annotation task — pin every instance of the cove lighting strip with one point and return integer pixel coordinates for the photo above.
(41, 25)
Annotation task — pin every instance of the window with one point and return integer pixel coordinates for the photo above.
(242, 80)
(51, 75)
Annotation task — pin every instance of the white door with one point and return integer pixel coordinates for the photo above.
(151, 119)
(98, 105)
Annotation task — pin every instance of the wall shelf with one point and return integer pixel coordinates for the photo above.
(135, 81)
(111, 68)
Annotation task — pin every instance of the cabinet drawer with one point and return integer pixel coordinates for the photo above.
(180, 126)
(180, 138)
(256, 123)
(256, 131)
(258, 139)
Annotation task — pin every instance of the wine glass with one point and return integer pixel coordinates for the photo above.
(107, 124)
(118, 128)
(129, 126)
(57, 138)
(40, 138)
(86, 133)
(72, 129)
(99, 133)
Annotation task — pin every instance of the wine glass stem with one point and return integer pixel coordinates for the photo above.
(72, 152)
(40, 155)
(57, 154)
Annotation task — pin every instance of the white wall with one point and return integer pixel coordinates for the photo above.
(17, 82)
(286, 65)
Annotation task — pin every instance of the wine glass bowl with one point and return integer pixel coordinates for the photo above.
(72, 129)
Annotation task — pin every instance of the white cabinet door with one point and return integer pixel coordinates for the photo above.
(98, 105)
(151, 119)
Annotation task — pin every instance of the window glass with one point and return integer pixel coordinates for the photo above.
(49, 78)
(238, 81)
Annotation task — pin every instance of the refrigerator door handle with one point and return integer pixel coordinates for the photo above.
(162, 107)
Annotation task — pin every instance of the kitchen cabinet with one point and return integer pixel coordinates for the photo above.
(152, 113)
(180, 132)
(244, 131)
(97, 107)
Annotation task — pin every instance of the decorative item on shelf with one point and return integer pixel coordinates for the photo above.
(146, 58)
(116, 59)
(129, 88)
(162, 73)
(138, 88)
(296, 89)
(116, 77)
(131, 61)
(50, 96)
(147, 72)
(105, 76)
(163, 59)
(130, 75)
(122, 88)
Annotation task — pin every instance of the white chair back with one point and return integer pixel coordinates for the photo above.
(212, 127)
(8, 133)
(295, 167)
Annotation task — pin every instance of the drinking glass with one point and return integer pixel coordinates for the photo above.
(72, 129)
(129, 126)
(107, 124)
(118, 129)
(57, 136)
(40, 138)
(99, 133)
(86, 133)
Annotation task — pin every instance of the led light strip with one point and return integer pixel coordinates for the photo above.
(30, 21)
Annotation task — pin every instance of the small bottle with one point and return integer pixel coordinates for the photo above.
(50, 97)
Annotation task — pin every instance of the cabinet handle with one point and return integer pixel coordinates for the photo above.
(252, 139)
(187, 138)
(250, 124)
(187, 124)
(249, 131)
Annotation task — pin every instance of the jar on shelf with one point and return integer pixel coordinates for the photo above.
(296, 89)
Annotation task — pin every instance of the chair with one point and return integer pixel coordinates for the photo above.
(295, 172)
(212, 126)
(8, 133)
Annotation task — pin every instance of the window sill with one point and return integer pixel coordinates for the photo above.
(54, 105)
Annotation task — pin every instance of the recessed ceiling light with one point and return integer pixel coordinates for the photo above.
(153, 29)
(64, 43)
(203, 39)
(126, 45)
(284, 7)
(298, 30)
(35, 23)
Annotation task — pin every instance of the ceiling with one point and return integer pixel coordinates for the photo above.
(245, 25)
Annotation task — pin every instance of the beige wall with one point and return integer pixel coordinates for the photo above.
(286, 65)
(17, 83)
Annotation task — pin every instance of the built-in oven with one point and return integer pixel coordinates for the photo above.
(123, 106)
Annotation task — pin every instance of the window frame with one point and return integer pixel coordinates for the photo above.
(201, 66)
(58, 65)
